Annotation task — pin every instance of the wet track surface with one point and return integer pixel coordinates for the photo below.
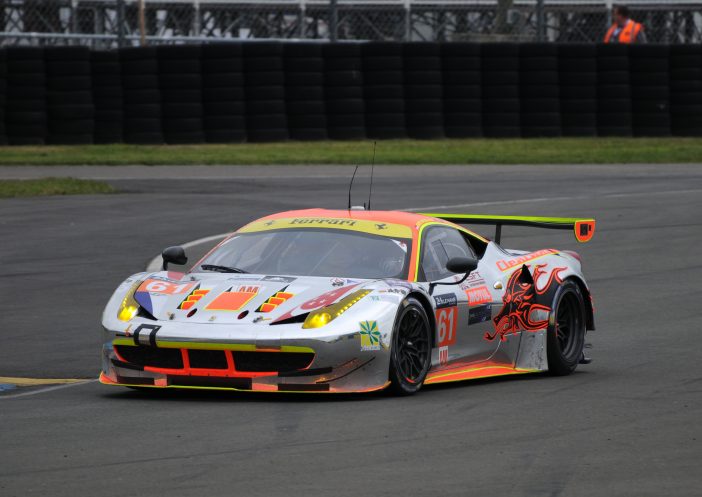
(628, 424)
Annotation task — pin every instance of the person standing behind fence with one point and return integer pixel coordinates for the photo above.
(624, 29)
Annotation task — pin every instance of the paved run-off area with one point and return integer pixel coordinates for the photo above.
(628, 424)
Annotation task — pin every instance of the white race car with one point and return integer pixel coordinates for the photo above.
(351, 301)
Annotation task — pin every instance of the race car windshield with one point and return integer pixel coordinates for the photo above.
(313, 252)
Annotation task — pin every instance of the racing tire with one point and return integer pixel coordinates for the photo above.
(565, 337)
(341, 50)
(460, 49)
(308, 134)
(223, 80)
(492, 92)
(410, 352)
(225, 136)
(263, 64)
(466, 92)
(300, 78)
(345, 77)
(304, 64)
(308, 92)
(349, 133)
(536, 78)
(468, 77)
(222, 50)
(422, 63)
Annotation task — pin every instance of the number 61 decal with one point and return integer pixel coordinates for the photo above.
(446, 321)
(165, 287)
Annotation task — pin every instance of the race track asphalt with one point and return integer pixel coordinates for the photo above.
(627, 424)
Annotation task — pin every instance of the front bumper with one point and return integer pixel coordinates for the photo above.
(234, 358)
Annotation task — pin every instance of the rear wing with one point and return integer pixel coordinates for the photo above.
(583, 228)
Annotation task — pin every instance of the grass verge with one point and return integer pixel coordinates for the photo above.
(469, 151)
(51, 186)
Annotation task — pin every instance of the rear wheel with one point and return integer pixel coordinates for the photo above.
(566, 335)
(410, 356)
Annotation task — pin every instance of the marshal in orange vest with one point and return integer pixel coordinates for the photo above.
(628, 34)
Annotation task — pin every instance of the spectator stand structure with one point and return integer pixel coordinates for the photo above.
(106, 23)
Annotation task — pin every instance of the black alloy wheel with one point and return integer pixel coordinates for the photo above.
(411, 348)
(566, 336)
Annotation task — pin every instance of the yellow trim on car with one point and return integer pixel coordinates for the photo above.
(239, 347)
(362, 225)
(427, 224)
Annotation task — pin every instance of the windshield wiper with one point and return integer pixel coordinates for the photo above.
(221, 269)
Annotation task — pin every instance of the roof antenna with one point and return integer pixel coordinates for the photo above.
(370, 190)
(351, 184)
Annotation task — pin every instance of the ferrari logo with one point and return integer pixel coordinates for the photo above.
(381, 226)
(370, 335)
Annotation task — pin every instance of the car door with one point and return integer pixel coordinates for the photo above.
(463, 311)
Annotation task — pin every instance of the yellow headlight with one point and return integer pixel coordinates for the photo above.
(322, 317)
(317, 320)
(127, 312)
(129, 307)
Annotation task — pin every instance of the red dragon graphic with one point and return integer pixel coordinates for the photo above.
(520, 302)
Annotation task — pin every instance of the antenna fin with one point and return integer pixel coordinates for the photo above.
(351, 185)
(370, 189)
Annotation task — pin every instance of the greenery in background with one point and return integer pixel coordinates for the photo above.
(469, 151)
(51, 186)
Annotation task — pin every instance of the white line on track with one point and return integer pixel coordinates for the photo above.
(494, 202)
(208, 178)
(551, 199)
(44, 390)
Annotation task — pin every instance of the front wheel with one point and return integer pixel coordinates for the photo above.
(566, 331)
(410, 355)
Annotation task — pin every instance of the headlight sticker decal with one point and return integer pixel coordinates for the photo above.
(275, 300)
(193, 298)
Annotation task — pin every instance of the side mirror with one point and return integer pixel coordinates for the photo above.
(461, 265)
(458, 265)
(175, 255)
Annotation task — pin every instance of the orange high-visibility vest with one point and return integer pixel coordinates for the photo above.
(627, 34)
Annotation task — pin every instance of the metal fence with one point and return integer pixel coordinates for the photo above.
(110, 23)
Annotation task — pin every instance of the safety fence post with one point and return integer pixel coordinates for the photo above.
(121, 28)
(333, 20)
(540, 21)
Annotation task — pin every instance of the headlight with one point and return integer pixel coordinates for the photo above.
(129, 306)
(322, 317)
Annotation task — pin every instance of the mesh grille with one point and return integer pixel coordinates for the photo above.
(150, 356)
(207, 359)
(272, 361)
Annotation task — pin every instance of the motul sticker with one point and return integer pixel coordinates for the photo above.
(477, 296)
